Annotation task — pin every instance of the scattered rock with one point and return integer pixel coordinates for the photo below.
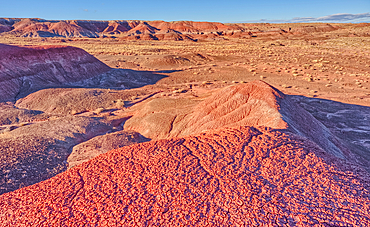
(229, 173)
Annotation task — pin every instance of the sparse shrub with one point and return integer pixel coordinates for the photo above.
(120, 103)
(206, 82)
(23, 124)
(52, 118)
(181, 90)
(99, 110)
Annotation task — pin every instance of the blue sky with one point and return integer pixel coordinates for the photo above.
(195, 10)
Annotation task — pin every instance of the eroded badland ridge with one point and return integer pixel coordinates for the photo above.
(148, 30)
(122, 123)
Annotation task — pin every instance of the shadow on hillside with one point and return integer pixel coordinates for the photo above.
(118, 79)
(38, 158)
(349, 122)
(167, 71)
(122, 79)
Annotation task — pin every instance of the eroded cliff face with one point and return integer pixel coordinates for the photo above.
(26, 69)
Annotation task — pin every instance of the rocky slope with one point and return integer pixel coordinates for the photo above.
(349, 123)
(26, 69)
(10, 115)
(150, 30)
(145, 113)
(245, 176)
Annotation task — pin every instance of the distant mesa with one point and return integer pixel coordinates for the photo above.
(5, 28)
(310, 28)
(149, 30)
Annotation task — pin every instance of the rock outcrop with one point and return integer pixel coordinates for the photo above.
(241, 176)
(26, 69)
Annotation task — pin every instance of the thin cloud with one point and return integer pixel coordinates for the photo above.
(335, 18)
(340, 17)
(89, 11)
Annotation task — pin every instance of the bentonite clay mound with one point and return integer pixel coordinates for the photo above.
(76, 100)
(259, 104)
(253, 104)
(27, 69)
(102, 144)
(241, 176)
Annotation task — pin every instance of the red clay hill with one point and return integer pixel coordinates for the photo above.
(149, 30)
(254, 104)
(27, 69)
(232, 176)
(247, 157)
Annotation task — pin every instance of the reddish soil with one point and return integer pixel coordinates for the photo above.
(244, 176)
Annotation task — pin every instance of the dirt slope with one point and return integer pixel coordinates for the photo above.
(27, 69)
(101, 144)
(9, 115)
(243, 176)
(76, 100)
(38, 151)
(250, 104)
